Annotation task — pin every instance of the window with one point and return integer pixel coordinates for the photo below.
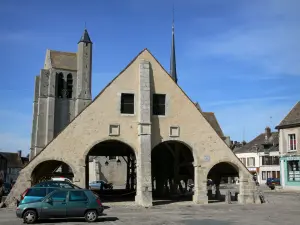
(159, 104)
(263, 175)
(59, 196)
(243, 160)
(127, 103)
(60, 85)
(77, 196)
(293, 168)
(269, 174)
(292, 142)
(69, 85)
(112, 157)
(251, 161)
(37, 192)
(269, 160)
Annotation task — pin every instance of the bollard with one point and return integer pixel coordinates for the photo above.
(228, 197)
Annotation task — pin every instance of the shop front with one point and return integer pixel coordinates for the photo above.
(290, 171)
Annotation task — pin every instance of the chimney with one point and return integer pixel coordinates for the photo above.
(20, 153)
(267, 133)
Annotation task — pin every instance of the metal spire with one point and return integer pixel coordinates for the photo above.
(85, 36)
(173, 72)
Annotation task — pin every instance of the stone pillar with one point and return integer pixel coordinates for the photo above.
(50, 109)
(200, 189)
(35, 116)
(247, 193)
(143, 161)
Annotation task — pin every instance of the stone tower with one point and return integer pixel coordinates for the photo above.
(62, 91)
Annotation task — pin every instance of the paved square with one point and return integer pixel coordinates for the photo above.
(282, 208)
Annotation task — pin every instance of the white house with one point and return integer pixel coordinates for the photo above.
(289, 136)
(261, 156)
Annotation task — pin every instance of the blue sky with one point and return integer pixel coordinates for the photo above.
(237, 58)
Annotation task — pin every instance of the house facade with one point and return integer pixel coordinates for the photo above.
(14, 164)
(3, 167)
(261, 156)
(289, 137)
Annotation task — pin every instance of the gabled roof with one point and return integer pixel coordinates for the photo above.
(144, 50)
(211, 118)
(257, 144)
(63, 60)
(13, 159)
(292, 119)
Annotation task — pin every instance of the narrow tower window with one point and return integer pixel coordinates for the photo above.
(60, 85)
(127, 103)
(159, 104)
(69, 85)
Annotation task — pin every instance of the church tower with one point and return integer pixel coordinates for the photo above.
(84, 73)
(62, 91)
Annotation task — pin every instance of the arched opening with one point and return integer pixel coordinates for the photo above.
(222, 182)
(69, 85)
(60, 85)
(111, 171)
(49, 169)
(172, 171)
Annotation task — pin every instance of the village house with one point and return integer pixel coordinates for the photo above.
(289, 137)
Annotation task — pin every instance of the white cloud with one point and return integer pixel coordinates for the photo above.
(268, 38)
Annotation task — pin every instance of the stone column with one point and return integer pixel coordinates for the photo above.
(200, 189)
(143, 161)
(247, 194)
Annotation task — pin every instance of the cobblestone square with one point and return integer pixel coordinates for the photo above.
(282, 208)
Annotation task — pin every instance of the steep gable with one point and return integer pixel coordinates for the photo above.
(292, 118)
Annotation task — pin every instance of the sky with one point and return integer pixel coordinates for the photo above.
(237, 58)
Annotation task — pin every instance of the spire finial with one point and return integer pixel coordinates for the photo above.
(85, 25)
(173, 72)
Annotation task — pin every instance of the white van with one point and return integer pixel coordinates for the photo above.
(61, 179)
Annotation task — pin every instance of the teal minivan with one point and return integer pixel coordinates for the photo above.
(61, 203)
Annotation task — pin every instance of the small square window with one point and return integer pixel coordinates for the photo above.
(127, 103)
(159, 104)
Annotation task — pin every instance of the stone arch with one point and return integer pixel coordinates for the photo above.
(93, 144)
(193, 150)
(47, 166)
(175, 160)
(114, 161)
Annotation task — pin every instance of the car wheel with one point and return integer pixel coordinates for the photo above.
(91, 216)
(30, 216)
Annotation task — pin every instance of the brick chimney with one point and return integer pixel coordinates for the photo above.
(267, 133)
(20, 153)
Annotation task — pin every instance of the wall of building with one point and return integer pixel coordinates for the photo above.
(283, 140)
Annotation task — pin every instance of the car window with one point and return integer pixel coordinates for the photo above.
(37, 192)
(77, 196)
(51, 190)
(59, 196)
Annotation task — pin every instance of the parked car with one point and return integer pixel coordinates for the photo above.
(35, 194)
(272, 182)
(61, 179)
(58, 184)
(100, 184)
(62, 203)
